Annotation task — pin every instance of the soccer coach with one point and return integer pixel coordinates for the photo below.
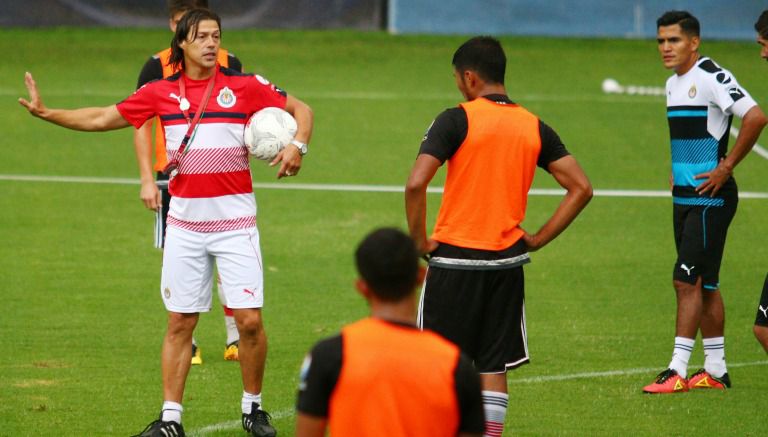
(212, 215)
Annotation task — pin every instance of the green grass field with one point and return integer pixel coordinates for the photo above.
(81, 320)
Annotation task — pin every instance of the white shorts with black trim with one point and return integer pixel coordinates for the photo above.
(188, 269)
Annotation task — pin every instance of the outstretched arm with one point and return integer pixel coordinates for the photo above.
(751, 125)
(416, 201)
(570, 176)
(84, 119)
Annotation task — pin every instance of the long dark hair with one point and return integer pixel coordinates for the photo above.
(187, 27)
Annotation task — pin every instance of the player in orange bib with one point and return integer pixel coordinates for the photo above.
(474, 291)
(382, 376)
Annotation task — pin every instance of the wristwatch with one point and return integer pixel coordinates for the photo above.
(301, 146)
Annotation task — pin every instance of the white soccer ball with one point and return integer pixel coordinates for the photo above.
(268, 132)
(611, 86)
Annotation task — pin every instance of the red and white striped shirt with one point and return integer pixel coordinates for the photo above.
(212, 190)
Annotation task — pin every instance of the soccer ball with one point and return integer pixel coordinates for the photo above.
(268, 132)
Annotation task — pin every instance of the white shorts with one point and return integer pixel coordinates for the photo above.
(188, 261)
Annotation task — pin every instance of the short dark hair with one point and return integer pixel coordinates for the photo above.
(176, 6)
(484, 56)
(388, 262)
(761, 25)
(688, 23)
(189, 22)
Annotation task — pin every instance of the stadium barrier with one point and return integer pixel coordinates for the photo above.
(587, 18)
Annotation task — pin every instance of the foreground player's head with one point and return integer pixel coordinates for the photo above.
(484, 56)
(177, 9)
(202, 22)
(388, 264)
(761, 26)
(477, 63)
(678, 37)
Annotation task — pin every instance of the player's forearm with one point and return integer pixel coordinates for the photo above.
(304, 119)
(142, 143)
(751, 126)
(572, 204)
(416, 199)
(91, 119)
(416, 214)
(570, 176)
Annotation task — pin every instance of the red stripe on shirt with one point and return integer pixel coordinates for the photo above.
(211, 184)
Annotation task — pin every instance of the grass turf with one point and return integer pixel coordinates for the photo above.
(81, 326)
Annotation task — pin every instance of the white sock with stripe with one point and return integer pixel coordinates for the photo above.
(248, 400)
(495, 407)
(172, 412)
(232, 334)
(714, 356)
(681, 354)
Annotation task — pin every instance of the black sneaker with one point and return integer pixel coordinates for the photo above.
(257, 423)
(158, 428)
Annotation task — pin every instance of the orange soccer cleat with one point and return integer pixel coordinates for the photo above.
(703, 379)
(667, 381)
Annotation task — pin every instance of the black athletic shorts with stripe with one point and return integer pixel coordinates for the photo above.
(700, 232)
(762, 308)
(476, 299)
(161, 218)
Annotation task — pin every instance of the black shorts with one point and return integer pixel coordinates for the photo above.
(161, 217)
(762, 309)
(482, 310)
(700, 233)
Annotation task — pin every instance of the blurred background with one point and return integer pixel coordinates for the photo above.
(587, 18)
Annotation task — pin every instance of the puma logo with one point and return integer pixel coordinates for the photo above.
(687, 269)
(183, 102)
(247, 291)
(763, 310)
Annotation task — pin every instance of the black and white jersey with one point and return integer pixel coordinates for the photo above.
(700, 106)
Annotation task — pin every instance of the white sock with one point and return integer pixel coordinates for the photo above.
(495, 407)
(248, 400)
(681, 355)
(714, 356)
(232, 334)
(172, 412)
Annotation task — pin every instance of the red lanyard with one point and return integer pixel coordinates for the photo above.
(192, 123)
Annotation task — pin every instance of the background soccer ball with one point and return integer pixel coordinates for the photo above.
(268, 131)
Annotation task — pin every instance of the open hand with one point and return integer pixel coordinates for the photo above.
(715, 179)
(34, 105)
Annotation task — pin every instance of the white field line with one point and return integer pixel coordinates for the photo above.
(352, 187)
(370, 95)
(235, 424)
(605, 374)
